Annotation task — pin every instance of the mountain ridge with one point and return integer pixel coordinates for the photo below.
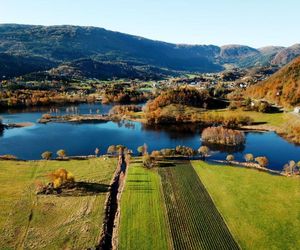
(66, 43)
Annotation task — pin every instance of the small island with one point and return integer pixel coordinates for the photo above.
(46, 118)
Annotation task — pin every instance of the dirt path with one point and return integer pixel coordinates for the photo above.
(112, 210)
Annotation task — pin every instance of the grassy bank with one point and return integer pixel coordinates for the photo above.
(261, 210)
(52, 222)
(143, 223)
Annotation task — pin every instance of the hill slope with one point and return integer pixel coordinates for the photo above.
(283, 87)
(12, 65)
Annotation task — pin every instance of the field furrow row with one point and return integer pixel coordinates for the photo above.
(195, 221)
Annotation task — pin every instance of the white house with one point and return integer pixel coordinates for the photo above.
(297, 110)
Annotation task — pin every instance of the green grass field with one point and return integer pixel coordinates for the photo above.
(143, 221)
(51, 222)
(272, 119)
(161, 208)
(195, 221)
(261, 210)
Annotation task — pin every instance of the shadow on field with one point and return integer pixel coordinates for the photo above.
(258, 123)
(164, 164)
(137, 188)
(83, 189)
(139, 174)
(138, 181)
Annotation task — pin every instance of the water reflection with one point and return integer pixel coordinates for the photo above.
(225, 148)
(175, 131)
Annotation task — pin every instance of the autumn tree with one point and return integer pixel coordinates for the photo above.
(142, 149)
(248, 157)
(60, 177)
(61, 153)
(97, 151)
(185, 151)
(156, 154)
(203, 151)
(168, 152)
(223, 136)
(262, 161)
(290, 167)
(111, 149)
(148, 161)
(230, 158)
(47, 155)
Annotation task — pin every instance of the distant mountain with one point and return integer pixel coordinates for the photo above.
(107, 70)
(57, 45)
(282, 88)
(247, 57)
(232, 53)
(286, 55)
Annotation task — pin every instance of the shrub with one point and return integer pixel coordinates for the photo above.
(156, 154)
(223, 136)
(185, 151)
(47, 155)
(168, 152)
(124, 109)
(46, 116)
(8, 157)
(262, 161)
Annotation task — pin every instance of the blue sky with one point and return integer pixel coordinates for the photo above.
(252, 22)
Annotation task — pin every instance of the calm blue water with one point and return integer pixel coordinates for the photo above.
(82, 139)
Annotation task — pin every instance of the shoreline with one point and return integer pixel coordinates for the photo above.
(251, 165)
(18, 125)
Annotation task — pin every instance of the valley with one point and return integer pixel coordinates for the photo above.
(185, 135)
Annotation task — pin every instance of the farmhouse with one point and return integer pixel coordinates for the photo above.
(297, 110)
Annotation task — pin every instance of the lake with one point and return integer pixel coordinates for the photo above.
(81, 139)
